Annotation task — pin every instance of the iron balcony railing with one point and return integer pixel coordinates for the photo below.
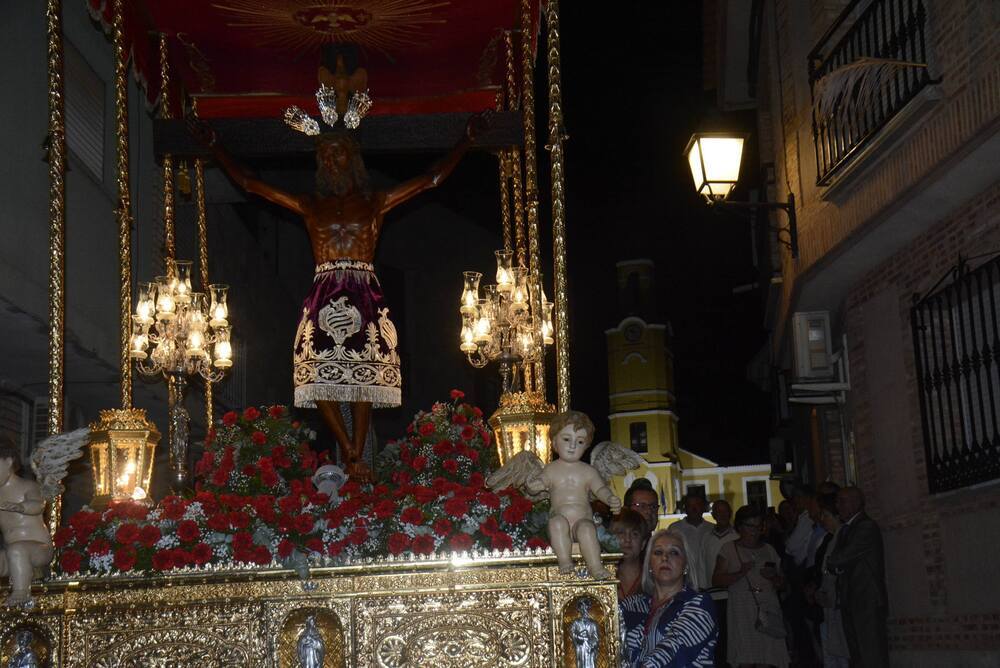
(889, 30)
(956, 344)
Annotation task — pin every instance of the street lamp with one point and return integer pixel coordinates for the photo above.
(714, 159)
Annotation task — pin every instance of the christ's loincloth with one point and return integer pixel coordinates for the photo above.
(345, 345)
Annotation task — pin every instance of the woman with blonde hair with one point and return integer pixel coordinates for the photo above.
(669, 623)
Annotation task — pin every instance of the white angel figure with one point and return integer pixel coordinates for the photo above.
(570, 482)
(27, 544)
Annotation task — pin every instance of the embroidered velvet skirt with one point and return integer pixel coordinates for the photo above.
(345, 345)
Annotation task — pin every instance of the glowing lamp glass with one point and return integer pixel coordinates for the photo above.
(714, 159)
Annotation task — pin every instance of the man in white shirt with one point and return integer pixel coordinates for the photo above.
(693, 528)
(722, 533)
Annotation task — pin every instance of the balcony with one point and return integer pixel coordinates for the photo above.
(870, 64)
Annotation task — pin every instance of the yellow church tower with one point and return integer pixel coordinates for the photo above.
(641, 385)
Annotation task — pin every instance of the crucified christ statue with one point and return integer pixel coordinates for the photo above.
(345, 344)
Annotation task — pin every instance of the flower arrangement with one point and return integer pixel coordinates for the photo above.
(254, 503)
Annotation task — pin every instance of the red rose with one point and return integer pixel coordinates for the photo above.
(450, 465)
(201, 553)
(456, 394)
(442, 448)
(412, 515)
(423, 494)
(98, 547)
(536, 543)
(276, 411)
(501, 541)
(63, 537)
(242, 541)
(230, 418)
(464, 493)
(239, 519)
(477, 411)
(261, 556)
(442, 527)
(398, 542)
(303, 523)
(489, 499)
(383, 509)
(249, 470)
(335, 548)
(70, 561)
(218, 522)
(513, 514)
(423, 544)
(476, 480)
(127, 534)
(125, 558)
(163, 560)
(251, 414)
(350, 487)
(290, 504)
(458, 418)
(258, 438)
(285, 548)
(456, 507)
(205, 464)
(419, 463)
(401, 477)
(269, 478)
(358, 536)
(173, 507)
(460, 542)
(489, 526)
(472, 454)
(314, 545)
(209, 502)
(188, 531)
(468, 433)
(426, 429)
(149, 535)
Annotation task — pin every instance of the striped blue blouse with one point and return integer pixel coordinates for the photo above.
(682, 633)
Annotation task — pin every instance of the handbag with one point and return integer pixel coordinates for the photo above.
(768, 622)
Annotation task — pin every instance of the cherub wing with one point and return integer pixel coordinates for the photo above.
(524, 472)
(51, 459)
(611, 459)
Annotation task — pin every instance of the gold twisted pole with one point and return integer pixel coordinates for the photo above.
(57, 233)
(556, 137)
(199, 185)
(123, 212)
(169, 249)
(531, 178)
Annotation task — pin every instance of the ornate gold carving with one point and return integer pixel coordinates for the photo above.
(124, 210)
(199, 189)
(557, 134)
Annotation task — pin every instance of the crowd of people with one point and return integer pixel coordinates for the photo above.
(802, 585)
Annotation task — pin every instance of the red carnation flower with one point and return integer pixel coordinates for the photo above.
(98, 547)
(127, 534)
(477, 411)
(536, 542)
(398, 542)
(412, 515)
(426, 429)
(251, 414)
(457, 394)
(513, 514)
(450, 465)
(201, 553)
(472, 454)
(501, 541)
(285, 548)
(188, 531)
(383, 509)
(314, 545)
(458, 418)
(149, 535)
(258, 438)
(358, 536)
(218, 522)
(163, 560)
(303, 523)
(70, 561)
(423, 494)
(261, 556)
(456, 507)
(268, 478)
(442, 527)
(489, 499)
(220, 477)
(205, 464)
(124, 559)
(460, 542)
(63, 537)
(442, 448)
(335, 548)
(489, 526)
(290, 504)
(276, 411)
(401, 477)
(242, 541)
(423, 544)
(239, 519)
(230, 418)
(476, 480)
(468, 433)
(419, 463)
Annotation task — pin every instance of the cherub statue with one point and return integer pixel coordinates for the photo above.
(27, 544)
(570, 483)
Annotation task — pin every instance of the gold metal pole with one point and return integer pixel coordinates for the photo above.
(556, 137)
(169, 246)
(57, 234)
(199, 189)
(124, 211)
(531, 178)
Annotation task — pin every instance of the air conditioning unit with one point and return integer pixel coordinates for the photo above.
(813, 351)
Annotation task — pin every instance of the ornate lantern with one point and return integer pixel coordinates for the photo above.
(122, 446)
(522, 423)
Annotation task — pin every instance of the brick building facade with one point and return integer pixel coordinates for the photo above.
(910, 199)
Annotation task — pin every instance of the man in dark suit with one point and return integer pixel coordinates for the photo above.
(859, 564)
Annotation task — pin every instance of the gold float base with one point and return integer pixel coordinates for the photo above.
(496, 612)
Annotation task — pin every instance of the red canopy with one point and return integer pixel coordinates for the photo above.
(256, 57)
